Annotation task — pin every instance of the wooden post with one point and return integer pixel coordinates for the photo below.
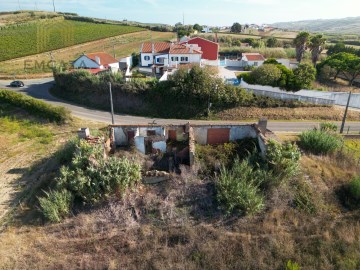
(345, 115)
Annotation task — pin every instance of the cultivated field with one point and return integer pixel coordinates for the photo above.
(46, 35)
(123, 45)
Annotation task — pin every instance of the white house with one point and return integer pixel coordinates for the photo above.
(159, 55)
(97, 61)
(252, 59)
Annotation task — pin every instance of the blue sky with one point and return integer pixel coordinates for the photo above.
(208, 12)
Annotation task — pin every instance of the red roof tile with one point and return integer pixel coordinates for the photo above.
(166, 47)
(159, 47)
(105, 59)
(182, 49)
(254, 56)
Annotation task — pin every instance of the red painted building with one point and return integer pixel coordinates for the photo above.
(209, 49)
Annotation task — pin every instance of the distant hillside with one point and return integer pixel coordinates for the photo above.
(349, 25)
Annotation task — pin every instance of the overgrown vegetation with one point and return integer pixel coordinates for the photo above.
(184, 95)
(277, 75)
(240, 187)
(46, 35)
(35, 107)
(320, 141)
(89, 178)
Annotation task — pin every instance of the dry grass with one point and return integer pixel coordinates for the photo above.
(282, 113)
(124, 46)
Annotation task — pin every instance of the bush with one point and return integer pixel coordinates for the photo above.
(282, 161)
(328, 127)
(91, 178)
(238, 189)
(354, 188)
(319, 142)
(56, 205)
(266, 75)
(34, 106)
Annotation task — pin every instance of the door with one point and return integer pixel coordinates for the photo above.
(218, 135)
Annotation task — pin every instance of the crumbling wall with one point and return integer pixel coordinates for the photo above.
(191, 146)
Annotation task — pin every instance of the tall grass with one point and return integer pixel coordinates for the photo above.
(36, 107)
(238, 189)
(319, 142)
(56, 205)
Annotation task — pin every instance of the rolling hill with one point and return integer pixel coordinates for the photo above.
(21, 36)
(350, 25)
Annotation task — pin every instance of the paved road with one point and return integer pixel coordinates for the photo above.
(39, 88)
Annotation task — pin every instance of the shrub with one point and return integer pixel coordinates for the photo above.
(266, 75)
(282, 161)
(34, 106)
(304, 198)
(328, 127)
(56, 205)
(354, 188)
(319, 142)
(238, 189)
(91, 178)
(290, 265)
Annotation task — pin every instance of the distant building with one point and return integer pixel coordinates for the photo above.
(252, 59)
(100, 61)
(160, 55)
(210, 49)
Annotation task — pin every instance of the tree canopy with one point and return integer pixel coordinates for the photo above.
(347, 64)
(300, 43)
(236, 28)
(197, 27)
(316, 46)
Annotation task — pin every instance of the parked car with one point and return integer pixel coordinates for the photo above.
(17, 84)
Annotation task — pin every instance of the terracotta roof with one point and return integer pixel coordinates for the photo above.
(254, 56)
(105, 59)
(167, 47)
(182, 49)
(159, 47)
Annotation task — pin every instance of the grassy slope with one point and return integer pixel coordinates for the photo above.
(176, 225)
(27, 145)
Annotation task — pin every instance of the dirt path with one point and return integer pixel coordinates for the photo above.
(14, 162)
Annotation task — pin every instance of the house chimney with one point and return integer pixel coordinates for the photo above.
(97, 59)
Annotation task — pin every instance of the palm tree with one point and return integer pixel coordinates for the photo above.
(316, 47)
(300, 43)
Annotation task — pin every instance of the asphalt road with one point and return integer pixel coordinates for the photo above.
(39, 88)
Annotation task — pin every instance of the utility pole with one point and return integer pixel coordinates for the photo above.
(19, 4)
(54, 5)
(345, 115)
(112, 105)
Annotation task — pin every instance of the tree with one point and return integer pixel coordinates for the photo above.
(267, 74)
(304, 75)
(300, 43)
(236, 28)
(272, 42)
(316, 46)
(197, 27)
(346, 63)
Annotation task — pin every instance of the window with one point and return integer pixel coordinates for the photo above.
(184, 59)
(255, 64)
(174, 58)
(146, 58)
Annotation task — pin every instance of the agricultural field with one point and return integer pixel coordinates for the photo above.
(47, 35)
(122, 45)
